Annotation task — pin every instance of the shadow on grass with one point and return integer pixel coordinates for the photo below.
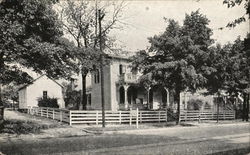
(24, 127)
(239, 151)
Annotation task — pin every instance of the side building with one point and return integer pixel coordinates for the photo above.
(42, 87)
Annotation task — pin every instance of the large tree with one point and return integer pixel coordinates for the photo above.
(31, 38)
(177, 58)
(232, 71)
(80, 23)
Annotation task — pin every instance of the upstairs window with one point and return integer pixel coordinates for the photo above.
(97, 76)
(120, 69)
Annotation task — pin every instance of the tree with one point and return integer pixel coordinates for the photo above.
(243, 18)
(79, 19)
(177, 58)
(31, 37)
(232, 71)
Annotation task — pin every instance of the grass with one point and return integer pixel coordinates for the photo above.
(23, 127)
(111, 127)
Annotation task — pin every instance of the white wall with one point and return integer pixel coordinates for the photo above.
(35, 90)
(22, 98)
(114, 79)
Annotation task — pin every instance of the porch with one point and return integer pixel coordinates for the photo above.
(132, 96)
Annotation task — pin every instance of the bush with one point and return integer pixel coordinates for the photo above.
(72, 99)
(21, 127)
(194, 104)
(48, 102)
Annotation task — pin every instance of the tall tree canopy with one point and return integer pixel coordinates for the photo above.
(80, 22)
(178, 58)
(31, 37)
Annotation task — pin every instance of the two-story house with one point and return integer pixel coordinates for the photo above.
(122, 90)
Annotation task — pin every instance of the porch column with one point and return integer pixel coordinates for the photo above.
(167, 97)
(126, 96)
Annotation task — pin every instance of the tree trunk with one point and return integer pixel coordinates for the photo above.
(247, 107)
(177, 100)
(83, 92)
(244, 107)
(1, 109)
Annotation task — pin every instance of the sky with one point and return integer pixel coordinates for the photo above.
(144, 19)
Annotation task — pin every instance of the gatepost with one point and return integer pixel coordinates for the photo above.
(134, 113)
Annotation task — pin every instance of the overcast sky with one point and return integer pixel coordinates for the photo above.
(145, 19)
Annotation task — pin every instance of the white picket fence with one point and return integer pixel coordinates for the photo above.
(53, 113)
(77, 117)
(191, 115)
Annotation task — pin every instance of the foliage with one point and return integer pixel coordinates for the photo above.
(48, 102)
(21, 127)
(79, 20)
(178, 57)
(243, 18)
(9, 95)
(30, 38)
(194, 104)
(72, 98)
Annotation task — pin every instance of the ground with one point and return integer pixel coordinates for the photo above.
(199, 138)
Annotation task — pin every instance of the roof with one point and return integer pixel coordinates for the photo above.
(36, 80)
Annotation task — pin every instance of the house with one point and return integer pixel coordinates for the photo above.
(41, 87)
(122, 90)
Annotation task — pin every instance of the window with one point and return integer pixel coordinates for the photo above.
(45, 94)
(120, 69)
(97, 76)
(89, 99)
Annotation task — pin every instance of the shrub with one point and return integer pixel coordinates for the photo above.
(72, 99)
(21, 127)
(194, 104)
(48, 102)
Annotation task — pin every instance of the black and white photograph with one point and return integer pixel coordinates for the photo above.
(124, 77)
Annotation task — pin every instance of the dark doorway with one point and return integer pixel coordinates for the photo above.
(122, 95)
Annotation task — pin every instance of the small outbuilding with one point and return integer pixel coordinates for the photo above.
(42, 87)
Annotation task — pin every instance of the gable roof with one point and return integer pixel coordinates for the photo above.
(22, 87)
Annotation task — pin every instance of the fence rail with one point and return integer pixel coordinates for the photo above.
(206, 115)
(74, 117)
(53, 113)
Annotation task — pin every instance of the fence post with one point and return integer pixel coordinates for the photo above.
(186, 113)
(140, 116)
(41, 111)
(212, 114)
(47, 112)
(60, 116)
(137, 117)
(166, 115)
(224, 114)
(120, 117)
(159, 116)
(70, 121)
(97, 119)
(130, 117)
(199, 117)
(53, 114)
